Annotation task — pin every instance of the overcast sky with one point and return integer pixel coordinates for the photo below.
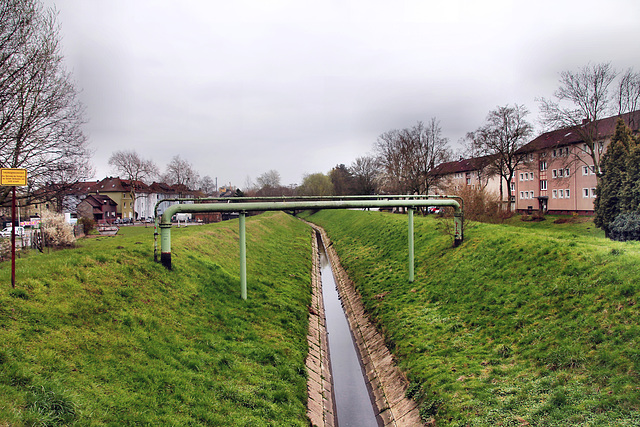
(245, 86)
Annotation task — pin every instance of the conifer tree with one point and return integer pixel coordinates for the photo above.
(612, 199)
(632, 179)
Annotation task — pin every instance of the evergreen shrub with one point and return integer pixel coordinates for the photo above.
(625, 227)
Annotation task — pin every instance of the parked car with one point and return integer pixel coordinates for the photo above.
(434, 210)
(6, 232)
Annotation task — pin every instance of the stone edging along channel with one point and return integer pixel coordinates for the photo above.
(320, 405)
(387, 383)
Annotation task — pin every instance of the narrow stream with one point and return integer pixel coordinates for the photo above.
(354, 407)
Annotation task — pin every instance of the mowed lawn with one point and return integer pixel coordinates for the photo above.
(102, 335)
(524, 324)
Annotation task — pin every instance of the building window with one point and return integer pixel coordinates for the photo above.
(561, 194)
(566, 193)
(522, 195)
(468, 181)
(543, 165)
(554, 173)
(585, 170)
(554, 194)
(532, 194)
(585, 193)
(543, 184)
(521, 177)
(513, 186)
(566, 151)
(592, 170)
(566, 172)
(554, 153)
(531, 176)
(593, 192)
(560, 173)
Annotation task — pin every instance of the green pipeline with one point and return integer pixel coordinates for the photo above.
(244, 207)
(288, 199)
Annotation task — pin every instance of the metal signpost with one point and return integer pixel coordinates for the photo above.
(13, 178)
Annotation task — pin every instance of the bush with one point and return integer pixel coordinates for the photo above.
(482, 206)
(5, 249)
(57, 232)
(535, 216)
(625, 227)
(88, 224)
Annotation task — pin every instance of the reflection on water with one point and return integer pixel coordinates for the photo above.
(353, 402)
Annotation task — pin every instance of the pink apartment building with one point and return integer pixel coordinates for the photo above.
(559, 176)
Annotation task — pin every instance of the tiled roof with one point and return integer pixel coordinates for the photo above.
(463, 165)
(112, 184)
(99, 200)
(573, 135)
(140, 187)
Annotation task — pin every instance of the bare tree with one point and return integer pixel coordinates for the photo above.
(181, 172)
(138, 171)
(407, 156)
(582, 99)
(40, 114)
(268, 185)
(207, 186)
(270, 179)
(628, 95)
(504, 132)
(365, 172)
(129, 165)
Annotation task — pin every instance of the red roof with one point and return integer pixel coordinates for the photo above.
(98, 200)
(573, 135)
(463, 165)
(112, 184)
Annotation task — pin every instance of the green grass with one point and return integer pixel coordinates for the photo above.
(523, 323)
(102, 335)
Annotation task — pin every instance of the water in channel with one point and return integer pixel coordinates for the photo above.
(354, 407)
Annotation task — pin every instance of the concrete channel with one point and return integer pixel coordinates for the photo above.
(353, 380)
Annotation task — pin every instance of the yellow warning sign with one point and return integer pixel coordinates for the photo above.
(11, 177)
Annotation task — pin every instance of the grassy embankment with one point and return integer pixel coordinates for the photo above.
(523, 324)
(102, 335)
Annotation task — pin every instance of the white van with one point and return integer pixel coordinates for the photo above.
(6, 232)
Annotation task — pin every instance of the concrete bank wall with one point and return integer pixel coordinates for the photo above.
(387, 383)
(320, 406)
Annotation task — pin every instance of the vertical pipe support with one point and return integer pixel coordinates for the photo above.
(155, 239)
(458, 228)
(411, 253)
(243, 256)
(165, 245)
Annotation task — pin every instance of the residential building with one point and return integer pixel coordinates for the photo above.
(561, 178)
(99, 207)
(121, 192)
(476, 173)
